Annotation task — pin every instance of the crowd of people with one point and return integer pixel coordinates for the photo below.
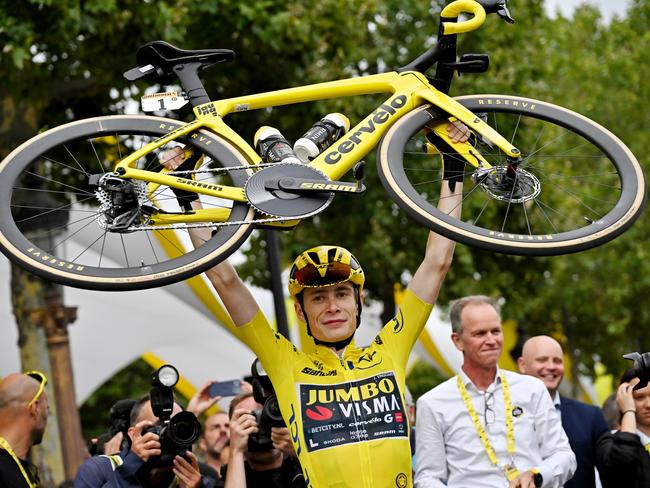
(345, 415)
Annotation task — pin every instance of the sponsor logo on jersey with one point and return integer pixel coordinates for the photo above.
(401, 480)
(397, 324)
(316, 372)
(369, 360)
(319, 413)
(354, 411)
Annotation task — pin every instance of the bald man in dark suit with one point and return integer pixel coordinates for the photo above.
(542, 357)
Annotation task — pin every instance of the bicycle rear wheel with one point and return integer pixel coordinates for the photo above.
(53, 221)
(578, 186)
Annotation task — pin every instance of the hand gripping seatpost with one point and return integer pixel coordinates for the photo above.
(188, 75)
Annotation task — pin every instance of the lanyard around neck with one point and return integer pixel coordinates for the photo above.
(5, 445)
(480, 430)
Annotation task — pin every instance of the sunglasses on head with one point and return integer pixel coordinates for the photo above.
(312, 276)
(40, 377)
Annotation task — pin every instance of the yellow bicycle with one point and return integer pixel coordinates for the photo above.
(88, 204)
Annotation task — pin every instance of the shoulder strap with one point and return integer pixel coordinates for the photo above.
(115, 460)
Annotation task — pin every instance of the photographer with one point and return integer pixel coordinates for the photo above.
(139, 465)
(255, 461)
(623, 456)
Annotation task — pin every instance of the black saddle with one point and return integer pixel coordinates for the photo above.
(157, 60)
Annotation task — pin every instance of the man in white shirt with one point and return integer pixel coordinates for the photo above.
(487, 427)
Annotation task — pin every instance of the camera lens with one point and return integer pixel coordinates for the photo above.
(272, 411)
(184, 428)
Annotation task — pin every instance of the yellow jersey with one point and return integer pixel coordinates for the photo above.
(346, 414)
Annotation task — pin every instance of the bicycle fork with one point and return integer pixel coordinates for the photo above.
(465, 150)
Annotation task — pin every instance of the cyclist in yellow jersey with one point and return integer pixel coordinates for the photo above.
(344, 405)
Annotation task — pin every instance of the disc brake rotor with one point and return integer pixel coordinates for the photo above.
(520, 188)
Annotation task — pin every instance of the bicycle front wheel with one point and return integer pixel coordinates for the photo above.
(578, 186)
(53, 219)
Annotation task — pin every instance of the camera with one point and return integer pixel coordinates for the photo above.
(177, 433)
(120, 414)
(641, 367)
(269, 415)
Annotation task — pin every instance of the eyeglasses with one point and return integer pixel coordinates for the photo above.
(318, 276)
(488, 412)
(40, 377)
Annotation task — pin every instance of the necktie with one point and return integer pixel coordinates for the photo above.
(647, 447)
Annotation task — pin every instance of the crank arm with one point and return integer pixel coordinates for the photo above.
(305, 185)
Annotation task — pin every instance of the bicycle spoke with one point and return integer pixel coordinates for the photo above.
(173, 244)
(153, 250)
(539, 204)
(57, 209)
(73, 234)
(44, 190)
(59, 183)
(126, 256)
(487, 201)
(101, 251)
(99, 161)
(58, 163)
(75, 160)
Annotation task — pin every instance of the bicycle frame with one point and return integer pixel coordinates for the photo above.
(408, 89)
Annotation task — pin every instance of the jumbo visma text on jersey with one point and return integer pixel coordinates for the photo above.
(356, 411)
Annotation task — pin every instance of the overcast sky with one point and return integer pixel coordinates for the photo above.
(607, 7)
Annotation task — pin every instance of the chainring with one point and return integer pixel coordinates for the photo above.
(278, 203)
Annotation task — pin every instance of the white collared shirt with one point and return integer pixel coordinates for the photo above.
(448, 449)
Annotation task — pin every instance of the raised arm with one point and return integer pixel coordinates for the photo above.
(439, 252)
(234, 294)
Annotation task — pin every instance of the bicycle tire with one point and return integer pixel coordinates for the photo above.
(588, 208)
(49, 211)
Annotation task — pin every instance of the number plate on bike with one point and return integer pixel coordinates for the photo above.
(163, 101)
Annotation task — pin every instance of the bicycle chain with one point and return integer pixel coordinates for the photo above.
(211, 224)
(215, 224)
(220, 170)
(267, 220)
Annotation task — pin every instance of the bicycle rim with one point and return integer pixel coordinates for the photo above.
(577, 186)
(52, 221)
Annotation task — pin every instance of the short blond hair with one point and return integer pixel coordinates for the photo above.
(457, 307)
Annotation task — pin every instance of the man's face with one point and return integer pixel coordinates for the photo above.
(481, 337)
(249, 404)
(216, 433)
(40, 423)
(642, 404)
(331, 311)
(542, 357)
(146, 413)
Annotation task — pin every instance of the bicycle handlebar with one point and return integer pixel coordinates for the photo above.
(457, 7)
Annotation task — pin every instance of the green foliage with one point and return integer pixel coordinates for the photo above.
(133, 381)
(63, 59)
(422, 378)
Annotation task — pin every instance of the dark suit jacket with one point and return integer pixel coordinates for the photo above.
(623, 461)
(583, 425)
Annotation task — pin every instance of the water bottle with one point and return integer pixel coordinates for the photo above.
(273, 147)
(320, 136)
